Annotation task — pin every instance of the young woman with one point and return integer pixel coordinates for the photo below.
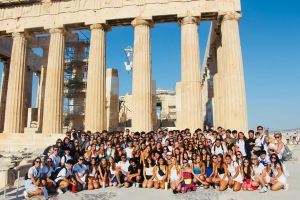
(199, 169)
(148, 173)
(261, 176)
(203, 154)
(160, 174)
(230, 146)
(164, 153)
(174, 175)
(209, 162)
(102, 169)
(278, 179)
(47, 172)
(178, 155)
(101, 152)
(80, 171)
(278, 146)
(239, 158)
(93, 175)
(240, 144)
(112, 172)
(109, 150)
(146, 153)
(220, 173)
(247, 174)
(75, 151)
(187, 178)
(136, 154)
(34, 183)
(235, 178)
(92, 153)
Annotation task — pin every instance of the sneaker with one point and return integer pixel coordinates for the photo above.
(120, 185)
(268, 187)
(263, 190)
(259, 187)
(133, 184)
(286, 187)
(175, 191)
(26, 196)
(201, 186)
(137, 185)
(59, 191)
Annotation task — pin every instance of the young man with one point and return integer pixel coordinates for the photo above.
(218, 148)
(65, 177)
(66, 157)
(55, 157)
(265, 160)
(122, 170)
(134, 174)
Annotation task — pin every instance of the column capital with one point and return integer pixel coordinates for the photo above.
(139, 21)
(25, 34)
(189, 20)
(105, 27)
(232, 16)
(63, 31)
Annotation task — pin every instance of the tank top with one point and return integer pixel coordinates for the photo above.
(93, 172)
(149, 171)
(247, 175)
(197, 170)
(221, 170)
(111, 170)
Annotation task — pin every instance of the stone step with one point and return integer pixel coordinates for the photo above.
(32, 136)
(30, 130)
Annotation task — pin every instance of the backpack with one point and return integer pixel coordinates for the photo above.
(287, 154)
(56, 172)
(46, 151)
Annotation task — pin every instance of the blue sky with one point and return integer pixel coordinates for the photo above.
(271, 53)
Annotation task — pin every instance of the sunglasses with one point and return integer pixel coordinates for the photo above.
(246, 162)
(58, 142)
(184, 162)
(38, 161)
(253, 158)
(214, 158)
(49, 161)
(273, 158)
(277, 137)
(238, 154)
(80, 159)
(55, 149)
(123, 157)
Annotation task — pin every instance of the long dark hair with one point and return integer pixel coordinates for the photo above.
(222, 159)
(91, 165)
(277, 160)
(249, 168)
(152, 164)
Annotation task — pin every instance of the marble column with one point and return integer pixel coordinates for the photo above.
(14, 113)
(28, 95)
(112, 98)
(142, 76)
(95, 112)
(53, 101)
(218, 87)
(191, 107)
(179, 125)
(153, 114)
(42, 84)
(235, 107)
(3, 93)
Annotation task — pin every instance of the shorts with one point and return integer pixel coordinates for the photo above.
(209, 171)
(222, 175)
(29, 186)
(58, 182)
(148, 177)
(114, 180)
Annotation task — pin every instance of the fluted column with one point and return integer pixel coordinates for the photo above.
(191, 107)
(235, 107)
(219, 87)
(179, 124)
(28, 94)
(14, 113)
(53, 101)
(95, 94)
(3, 93)
(42, 85)
(142, 76)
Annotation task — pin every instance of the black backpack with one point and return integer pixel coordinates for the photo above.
(56, 172)
(221, 148)
(46, 151)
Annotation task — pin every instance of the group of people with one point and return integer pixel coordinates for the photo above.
(180, 160)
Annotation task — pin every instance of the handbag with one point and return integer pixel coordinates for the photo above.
(160, 172)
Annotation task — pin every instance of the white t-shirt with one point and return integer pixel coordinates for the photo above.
(64, 159)
(80, 170)
(37, 173)
(55, 160)
(231, 168)
(241, 145)
(124, 166)
(218, 150)
(128, 152)
(47, 171)
(64, 172)
(258, 170)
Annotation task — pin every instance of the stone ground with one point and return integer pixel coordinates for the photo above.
(200, 194)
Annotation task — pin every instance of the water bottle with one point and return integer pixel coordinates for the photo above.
(103, 183)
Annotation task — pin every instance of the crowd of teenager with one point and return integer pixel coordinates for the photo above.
(181, 161)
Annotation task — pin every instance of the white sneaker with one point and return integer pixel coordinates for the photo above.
(286, 187)
(133, 184)
(59, 191)
(137, 185)
(26, 196)
(263, 190)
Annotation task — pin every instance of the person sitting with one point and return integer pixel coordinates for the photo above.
(122, 170)
(47, 171)
(278, 179)
(148, 173)
(218, 148)
(33, 180)
(65, 177)
(247, 174)
(174, 175)
(93, 175)
(55, 157)
(80, 171)
(160, 174)
(134, 174)
(66, 157)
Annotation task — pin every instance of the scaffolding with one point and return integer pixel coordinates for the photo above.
(75, 74)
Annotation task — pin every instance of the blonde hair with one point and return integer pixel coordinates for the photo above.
(176, 165)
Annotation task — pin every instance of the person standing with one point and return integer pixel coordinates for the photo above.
(249, 144)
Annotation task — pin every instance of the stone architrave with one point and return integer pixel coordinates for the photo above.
(142, 76)
(112, 98)
(179, 125)
(53, 101)
(14, 112)
(95, 112)
(191, 106)
(5, 74)
(42, 84)
(235, 107)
